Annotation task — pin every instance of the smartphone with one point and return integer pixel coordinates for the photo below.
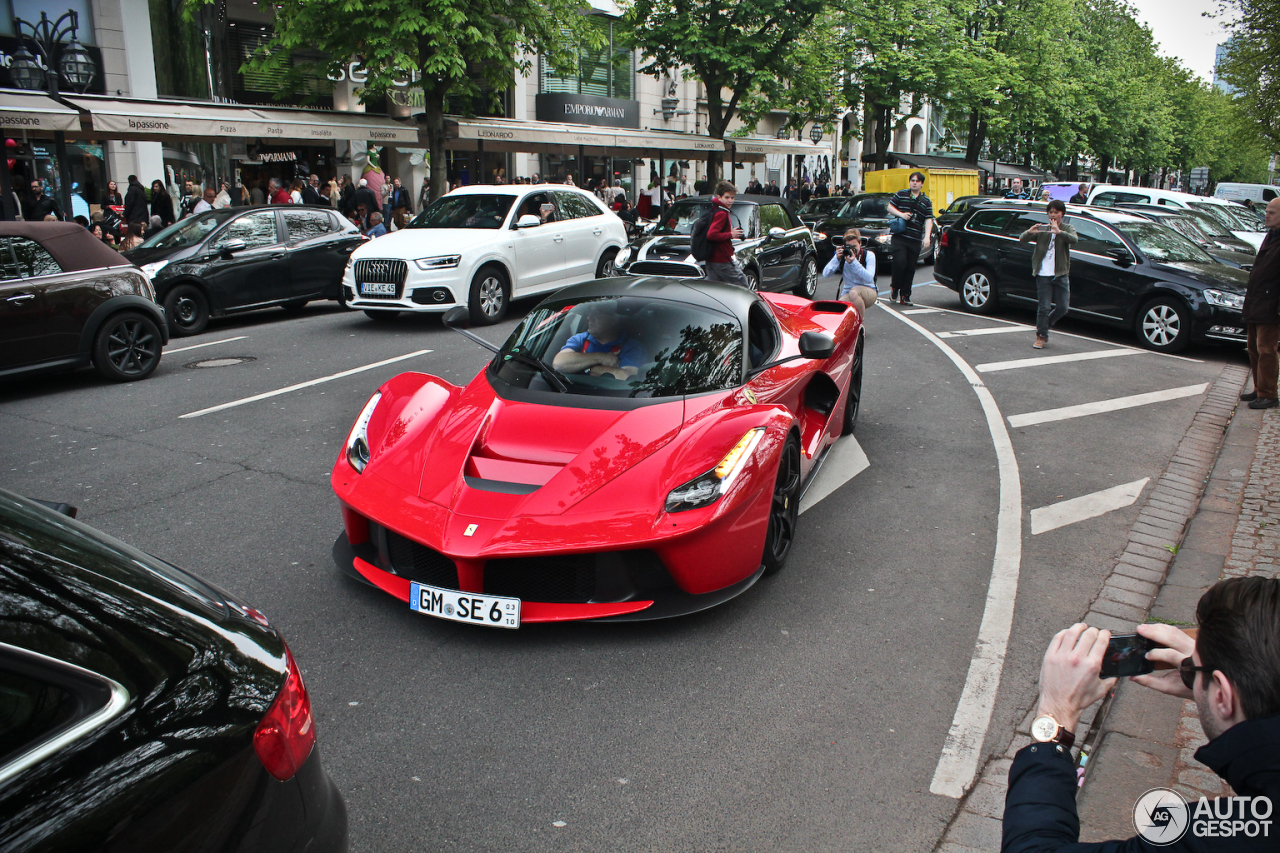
(1127, 655)
(546, 208)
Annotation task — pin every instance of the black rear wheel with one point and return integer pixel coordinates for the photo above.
(784, 509)
(808, 284)
(127, 347)
(978, 291)
(187, 310)
(854, 401)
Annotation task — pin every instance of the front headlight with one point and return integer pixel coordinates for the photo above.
(1223, 299)
(358, 440)
(819, 236)
(154, 267)
(707, 488)
(884, 238)
(442, 262)
(623, 258)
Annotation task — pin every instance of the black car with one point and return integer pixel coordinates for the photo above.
(67, 300)
(242, 258)
(142, 708)
(959, 207)
(776, 251)
(869, 213)
(1126, 271)
(1178, 220)
(1212, 226)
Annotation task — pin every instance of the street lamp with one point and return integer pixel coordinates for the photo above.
(815, 133)
(25, 70)
(784, 132)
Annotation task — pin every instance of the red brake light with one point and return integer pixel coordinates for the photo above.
(286, 735)
(945, 240)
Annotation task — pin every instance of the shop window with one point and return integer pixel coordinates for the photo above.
(255, 229)
(606, 71)
(243, 39)
(33, 259)
(305, 225)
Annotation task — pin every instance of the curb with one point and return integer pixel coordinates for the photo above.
(1127, 596)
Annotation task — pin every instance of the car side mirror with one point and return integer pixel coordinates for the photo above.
(528, 221)
(816, 345)
(457, 317)
(1120, 256)
(230, 247)
(776, 233)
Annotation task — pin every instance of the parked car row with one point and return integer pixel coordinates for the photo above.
(869, 213)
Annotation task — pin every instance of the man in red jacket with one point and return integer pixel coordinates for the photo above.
(721, 266)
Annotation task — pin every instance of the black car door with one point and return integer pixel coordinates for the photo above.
(24, 322)
(315, 253)
(253, 275)
(776, 254)
(1016, 277)
(1101, 284)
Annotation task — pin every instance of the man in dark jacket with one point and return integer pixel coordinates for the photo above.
(367, 199)
(1261, 314)
(721, 234)
(401, 203)
(135, 202)
(1230, 669)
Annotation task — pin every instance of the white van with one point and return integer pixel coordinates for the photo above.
(1260, 193)
(1110, 195)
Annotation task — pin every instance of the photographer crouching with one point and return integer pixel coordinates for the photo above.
(1232, 671)
(857, 270)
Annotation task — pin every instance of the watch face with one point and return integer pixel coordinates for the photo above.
(1044, 729)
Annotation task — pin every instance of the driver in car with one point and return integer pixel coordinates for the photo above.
(604, 349)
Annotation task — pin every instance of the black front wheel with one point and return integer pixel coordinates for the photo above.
(753, 279)
(854, 401)
(1164, 325)
(808, 284)
(489, 296)
(187, 310)
(127, 347)
(784, 509)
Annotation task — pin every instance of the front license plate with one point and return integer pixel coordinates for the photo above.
(377, 288)
(492, 610)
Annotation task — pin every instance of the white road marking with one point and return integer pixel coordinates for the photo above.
(923, 311)
(301, 385)
(845, 461)
(993, 330)
(1066, 512)
(208, 344)
(962, 750)
(1100, 406)
(1016, 364)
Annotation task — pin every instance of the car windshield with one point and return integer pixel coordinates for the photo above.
(870, 208)
(683, 214)
(1223, 215)
(465, 211)
(1163, 244)
(1186, 227)
(823, 206)
(188, 232)
(647, 348)
(1208, 224)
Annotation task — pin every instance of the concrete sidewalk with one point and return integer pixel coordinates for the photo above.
(1214, 513)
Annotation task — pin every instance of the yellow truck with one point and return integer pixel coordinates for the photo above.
(942, 186)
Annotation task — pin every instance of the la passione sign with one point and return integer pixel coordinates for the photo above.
(587, 109)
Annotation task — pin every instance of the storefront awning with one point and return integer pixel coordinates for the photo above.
(23, 111)
(747, 150)
(114, 118)
(533, 137)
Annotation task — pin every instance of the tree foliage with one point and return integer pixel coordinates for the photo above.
(1253, 61)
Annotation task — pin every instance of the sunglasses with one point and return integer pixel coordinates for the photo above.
(1188, 669)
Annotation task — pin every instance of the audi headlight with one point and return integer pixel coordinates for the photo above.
(358, 440)
(153, 268)
(441, 262)
(1223, 299)
(707, 488)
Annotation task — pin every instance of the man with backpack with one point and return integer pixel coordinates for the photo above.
(713, 237)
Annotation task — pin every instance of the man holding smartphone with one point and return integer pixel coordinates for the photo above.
(1232, 671)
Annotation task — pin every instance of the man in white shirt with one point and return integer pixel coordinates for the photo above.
(206, 203)
(223, 198)
(1049, 264)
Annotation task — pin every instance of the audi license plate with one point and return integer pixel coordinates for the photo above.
(377, 288)
(494, 611)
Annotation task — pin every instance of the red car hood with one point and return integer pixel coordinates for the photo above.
(488, 454)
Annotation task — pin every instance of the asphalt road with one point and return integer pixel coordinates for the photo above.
(808, 714)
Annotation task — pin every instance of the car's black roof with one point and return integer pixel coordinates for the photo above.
(711, 295)
(1110, 215)
(70, 243)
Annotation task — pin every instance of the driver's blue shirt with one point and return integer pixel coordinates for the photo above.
(628, 351)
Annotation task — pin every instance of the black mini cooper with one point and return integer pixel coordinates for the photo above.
(776, 251)
(1126, 271)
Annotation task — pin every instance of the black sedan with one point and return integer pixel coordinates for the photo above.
(1126, 271)
(775, 253)
(143, 709)
(869, 213)
(242, 258)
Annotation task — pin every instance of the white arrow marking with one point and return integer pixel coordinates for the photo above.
(1066, 512)
(844, 462)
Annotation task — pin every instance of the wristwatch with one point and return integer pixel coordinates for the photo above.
(1046, 730)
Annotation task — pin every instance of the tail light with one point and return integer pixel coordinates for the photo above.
(945, 240)
(285, 737)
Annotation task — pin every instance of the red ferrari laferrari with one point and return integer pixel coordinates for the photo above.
(637, 449)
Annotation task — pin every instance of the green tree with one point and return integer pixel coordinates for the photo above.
(453, 47)
(735, 49)
(1252, 65)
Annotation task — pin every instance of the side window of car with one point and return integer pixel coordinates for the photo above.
(990, 221)
(531, 205)
(33, 259)
(1024, 221)
(8, 268)
(256, 229)
(1095, 239)
(772, 216)
(1113, 198)
(574, 206)
(305, 224)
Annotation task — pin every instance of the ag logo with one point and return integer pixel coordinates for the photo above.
(1161, 816)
